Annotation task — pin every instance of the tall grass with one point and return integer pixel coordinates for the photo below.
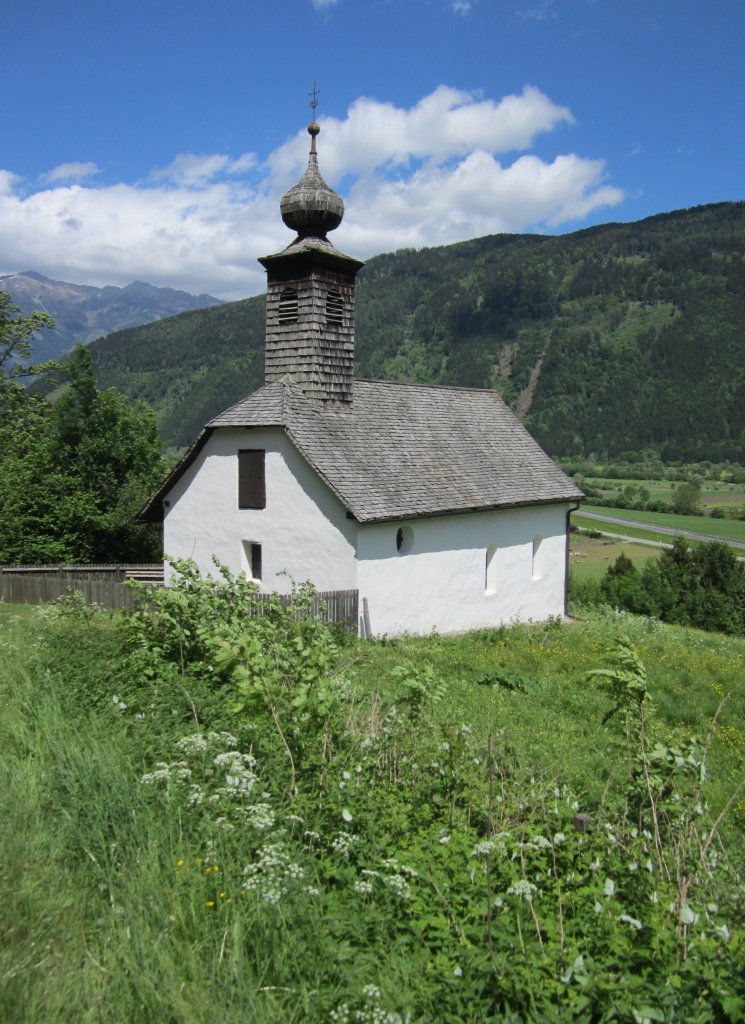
(124, 903)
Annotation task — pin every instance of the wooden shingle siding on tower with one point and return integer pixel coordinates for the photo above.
(318, 352)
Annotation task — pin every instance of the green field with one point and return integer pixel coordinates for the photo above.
(725, 528)
(589, 557)
(712, 492)
(209, 816)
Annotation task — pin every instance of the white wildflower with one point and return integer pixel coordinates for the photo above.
(399, 885)
(631, 920)
(346, 815)
(272, 875)
(609, 888)
(342, 843)
(524, 889)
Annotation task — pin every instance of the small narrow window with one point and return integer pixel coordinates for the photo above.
(334, 307)
(537, 540)
(251, 479)
(256, 562)
(252, 560)
(404, 539)
(287, 312)
(490, 572)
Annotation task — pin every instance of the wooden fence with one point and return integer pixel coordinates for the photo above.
(329, 606)
(105, 585)
(99, 584)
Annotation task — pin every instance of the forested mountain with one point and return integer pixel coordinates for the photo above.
(82, 312)
(617, 338)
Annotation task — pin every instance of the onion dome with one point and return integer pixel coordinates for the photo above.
(311, 207)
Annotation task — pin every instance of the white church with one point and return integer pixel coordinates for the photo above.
(434, 503)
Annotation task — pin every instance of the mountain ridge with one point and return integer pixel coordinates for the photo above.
(84, 312)
(617, 338)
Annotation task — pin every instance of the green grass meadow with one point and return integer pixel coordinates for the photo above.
(590, 557)
(726, 529)
(420, 865)
(713, 493)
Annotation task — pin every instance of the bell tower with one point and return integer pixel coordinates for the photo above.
(310, 293)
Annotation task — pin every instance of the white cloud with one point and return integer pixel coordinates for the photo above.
(321, 5)
(8, 182)
(196, 171)
(462, 6)
(440, 171)
(71, 172)
(448, 123)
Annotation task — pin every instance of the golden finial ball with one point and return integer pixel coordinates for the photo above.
(314, 128)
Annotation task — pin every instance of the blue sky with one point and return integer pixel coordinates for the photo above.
(152, 140)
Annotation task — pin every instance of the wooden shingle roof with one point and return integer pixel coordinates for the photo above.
(403, 451)
(406, 451)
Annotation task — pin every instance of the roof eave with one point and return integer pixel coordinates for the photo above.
(502, 506)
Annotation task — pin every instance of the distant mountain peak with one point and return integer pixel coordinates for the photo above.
(83, 312)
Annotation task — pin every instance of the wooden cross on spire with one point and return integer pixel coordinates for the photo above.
(313, 128)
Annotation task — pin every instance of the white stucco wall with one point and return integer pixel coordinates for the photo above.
(303, 531)
(440, 582)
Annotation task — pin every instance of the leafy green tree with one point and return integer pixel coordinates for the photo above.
(702, 587)
(622, 587)
(74, 474)
(686, 497)
(16, 333)
(114, 453)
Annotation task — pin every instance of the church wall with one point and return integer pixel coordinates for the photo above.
(303, 531)
(440, 579)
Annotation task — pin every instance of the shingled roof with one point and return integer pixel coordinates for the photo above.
(404, 451)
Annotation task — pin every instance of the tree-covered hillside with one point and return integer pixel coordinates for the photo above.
(618, 338)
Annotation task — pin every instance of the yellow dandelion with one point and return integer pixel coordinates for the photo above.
(210, 903)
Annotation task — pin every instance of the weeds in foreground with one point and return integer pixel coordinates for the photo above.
(290, 846)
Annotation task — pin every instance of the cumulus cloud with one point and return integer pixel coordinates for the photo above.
(71, 172)
(451, 167)
(196, 171)
(446, 124)
(8, 181)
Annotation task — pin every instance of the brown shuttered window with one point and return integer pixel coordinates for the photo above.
(251, 480)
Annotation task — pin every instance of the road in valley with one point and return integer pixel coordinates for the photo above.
(671, 531)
